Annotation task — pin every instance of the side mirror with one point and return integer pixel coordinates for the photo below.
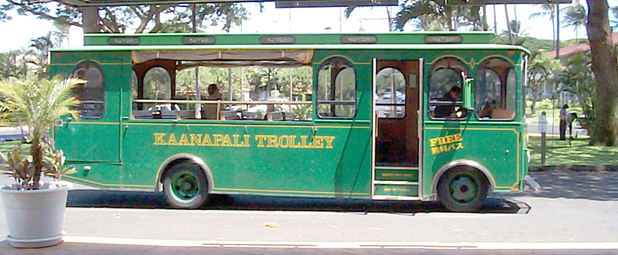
(468, 84)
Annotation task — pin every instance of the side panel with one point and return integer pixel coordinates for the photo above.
(93, 145)
(94, 140)
(263, 158)
(495, 148)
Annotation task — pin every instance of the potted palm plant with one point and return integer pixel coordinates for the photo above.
(35, 209)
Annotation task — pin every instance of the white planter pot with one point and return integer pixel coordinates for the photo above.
(35, 217)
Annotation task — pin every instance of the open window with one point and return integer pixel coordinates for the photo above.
(336, 95)
(268, 85)
(496, 90)
(445, 89)
(391, 93)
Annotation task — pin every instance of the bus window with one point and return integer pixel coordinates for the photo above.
(389, 104)
(496, 90)
(157, 85)
(92, 93)
(446, 76)
(336, 89)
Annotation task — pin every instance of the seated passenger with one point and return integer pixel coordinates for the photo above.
(209, 111)
(444, 111)
(487, 109)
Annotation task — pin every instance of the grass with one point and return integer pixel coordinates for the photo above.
(574, 152)
(9, 145)
(551, 112)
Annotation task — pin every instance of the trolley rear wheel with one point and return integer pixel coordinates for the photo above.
(185, 186)
(463, 190)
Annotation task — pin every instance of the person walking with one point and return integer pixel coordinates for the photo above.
(563, 121)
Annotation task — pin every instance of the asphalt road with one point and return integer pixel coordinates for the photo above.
(573, 209)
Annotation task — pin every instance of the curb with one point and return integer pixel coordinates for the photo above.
(593, 168)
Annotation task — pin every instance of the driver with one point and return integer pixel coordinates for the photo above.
(443, 111)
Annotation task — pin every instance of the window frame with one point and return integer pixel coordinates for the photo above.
(458, 67)
(83, 90)
(333, 83)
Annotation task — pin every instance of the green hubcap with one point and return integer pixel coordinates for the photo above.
(185, 185)
(463, 189)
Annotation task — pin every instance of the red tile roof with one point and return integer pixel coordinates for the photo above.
(574, 48)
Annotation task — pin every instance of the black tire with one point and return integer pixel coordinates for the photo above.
(463, 190)
(185, 186)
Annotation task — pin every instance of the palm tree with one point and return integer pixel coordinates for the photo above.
(576, 16)
(37, 104)
(12, 64)
(39, 54)
(547, 10)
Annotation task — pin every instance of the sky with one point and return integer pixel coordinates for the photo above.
(299, 20)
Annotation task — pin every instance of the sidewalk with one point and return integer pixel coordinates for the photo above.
(575, 210)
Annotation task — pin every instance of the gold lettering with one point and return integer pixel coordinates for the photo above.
(435, 150)
(459, 146)
(329, 141)
(317, 142)
(226, 141)
(284, 141)
(443, 148)
(184, 140)
(196, 139)
(172, 140)
(207, 140)
(457, 137)
(441, 140)
(236, 143)
(159, 139)
(303, 143)
(246, 140)
(449, 138)
(433, 141)
(272, 141)
(218, 138)
(292, 141)
(260, 139)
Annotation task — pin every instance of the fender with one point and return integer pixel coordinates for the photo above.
(184, 156)
(463, 162)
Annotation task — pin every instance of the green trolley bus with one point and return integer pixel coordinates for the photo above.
(392, 116)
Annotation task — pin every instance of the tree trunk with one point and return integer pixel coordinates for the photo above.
(36, 150)
(606, 75)
(91, 20)
(508, 25)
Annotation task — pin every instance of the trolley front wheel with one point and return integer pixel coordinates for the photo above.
(185, 186)
(463, 190)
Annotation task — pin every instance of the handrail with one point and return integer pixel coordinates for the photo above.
(218, 103)
(151, 101)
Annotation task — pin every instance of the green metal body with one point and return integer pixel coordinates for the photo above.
(317, 158)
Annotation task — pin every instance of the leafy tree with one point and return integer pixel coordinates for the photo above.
(541, 68)
(39, 54)
(12, 65)
(38, 103)
(117, 19)
(578, 79)
(451, 17)
(575, 17)
(547, 10)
